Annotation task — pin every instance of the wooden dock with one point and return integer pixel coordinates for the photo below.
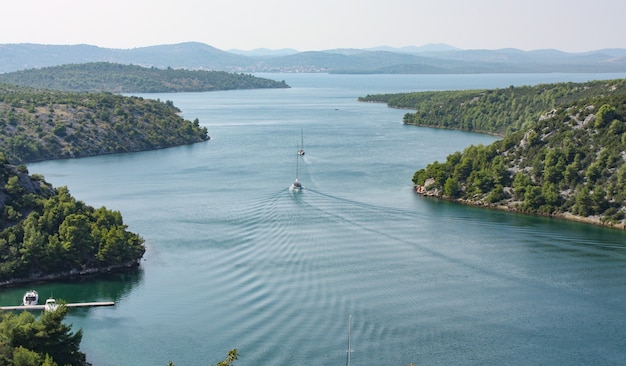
(72, 305)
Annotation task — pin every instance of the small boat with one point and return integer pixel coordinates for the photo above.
(51, 305)
(301, 149)
(296, 186)
(31, 297)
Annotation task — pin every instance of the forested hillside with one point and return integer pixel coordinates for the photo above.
(43, 124)
(47, 232)
(571, 162)
(497, 111)
(117, 78)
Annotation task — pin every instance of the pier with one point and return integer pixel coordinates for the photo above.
(72, 305)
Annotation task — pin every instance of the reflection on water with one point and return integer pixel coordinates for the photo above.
(113, 286)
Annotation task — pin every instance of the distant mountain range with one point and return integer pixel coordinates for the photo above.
(429, 59)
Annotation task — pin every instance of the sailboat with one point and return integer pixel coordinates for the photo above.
(296, 186)
(301, 149)
(350, 350)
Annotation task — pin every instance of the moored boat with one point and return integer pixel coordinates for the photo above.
(51, 305)
(31, 297)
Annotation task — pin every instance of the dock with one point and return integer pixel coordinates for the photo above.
(72, 305)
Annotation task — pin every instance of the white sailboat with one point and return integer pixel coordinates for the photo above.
(301, 149)
(296, 186)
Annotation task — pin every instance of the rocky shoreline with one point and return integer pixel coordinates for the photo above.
(70, 274)
(592, 220)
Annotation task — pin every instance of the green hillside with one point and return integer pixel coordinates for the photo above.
(117, 78)
(569, 163)
(497, 111)
(43, 124)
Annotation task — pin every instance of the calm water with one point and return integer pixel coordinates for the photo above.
(235, 260)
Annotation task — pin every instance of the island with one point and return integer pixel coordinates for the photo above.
(119, 78)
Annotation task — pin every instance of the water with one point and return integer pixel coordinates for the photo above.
(234, 260)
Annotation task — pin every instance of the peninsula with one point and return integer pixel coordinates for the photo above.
(45, 233)
(38, 124)
(561, 155)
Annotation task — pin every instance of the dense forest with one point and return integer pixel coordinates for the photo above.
(38, 124)
(117, 78)
(570, 162)
(45, 232)
(497, 111)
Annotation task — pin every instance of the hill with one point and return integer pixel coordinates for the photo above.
(428, 59)
(117, 78)
(43, 124)
(496, 111)
(568, 163)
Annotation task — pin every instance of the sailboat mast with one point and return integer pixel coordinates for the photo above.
(349, 341)
(301, 149)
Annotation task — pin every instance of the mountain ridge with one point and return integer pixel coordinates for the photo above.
(437, 58)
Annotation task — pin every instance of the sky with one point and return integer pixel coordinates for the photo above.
(566, 25)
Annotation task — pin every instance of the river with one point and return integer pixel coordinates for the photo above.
(235, 260)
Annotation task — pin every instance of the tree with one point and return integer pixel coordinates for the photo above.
(605, 114)
(583, 202)
(25, 340)
(76, 239)
(452, 188)
(60, 342)
(232, 356)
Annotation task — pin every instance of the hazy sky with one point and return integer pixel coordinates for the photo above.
(567, 25)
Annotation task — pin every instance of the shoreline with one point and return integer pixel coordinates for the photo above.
(595, 221)
(70, 274)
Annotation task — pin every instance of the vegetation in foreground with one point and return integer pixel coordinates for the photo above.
(45, 341)
(233, 355)
(43, 124)
(29, 341)
(118, 78)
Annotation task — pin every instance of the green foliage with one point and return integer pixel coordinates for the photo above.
(52, 124)
(452, 188)
(25, 340)
(117, 78)
(605, 114)
(570, 161)
(46, 231)
(498, 111)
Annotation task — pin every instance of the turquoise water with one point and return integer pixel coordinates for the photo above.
(234, 260)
